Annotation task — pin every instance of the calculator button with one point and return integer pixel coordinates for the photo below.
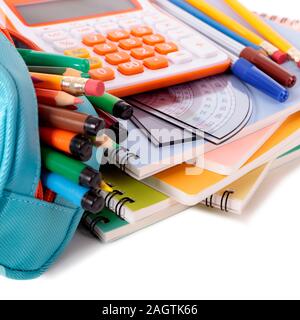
(77, 24)
(95, 62)
(199, 47)
(207, 52)
(118, 35)
(129, 23)
(155, 63)
(105, 48)
(153, 19)
(78, 53)
(41, 31)
(143, 53)
(55, 36)
(193, 41)
(180, 57)
(131, 68)
(108, 19)
(163, 27)
(117, 58)
(66, 44)
(141, 31)
(165, 48)
(91, 40)
(179, 34)
(153, 39)
(103, 74)
(82, 31)
(128, 44)
(106, 27)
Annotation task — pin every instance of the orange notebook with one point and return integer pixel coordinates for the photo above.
(191, 185)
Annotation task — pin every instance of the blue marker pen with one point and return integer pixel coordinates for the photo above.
(77, 195)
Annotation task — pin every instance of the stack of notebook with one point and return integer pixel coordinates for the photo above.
(219, 164)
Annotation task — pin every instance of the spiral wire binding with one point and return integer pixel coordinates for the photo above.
(119, 205)
(92, 225)
(109, 197)
(224, 205)
(209, 203)
(121, 161)
(224, 201)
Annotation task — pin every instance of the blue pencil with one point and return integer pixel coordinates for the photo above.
(203, 17)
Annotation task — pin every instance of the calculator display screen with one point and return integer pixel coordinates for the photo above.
(61, 10)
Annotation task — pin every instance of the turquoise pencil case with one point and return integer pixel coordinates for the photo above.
(33, 233)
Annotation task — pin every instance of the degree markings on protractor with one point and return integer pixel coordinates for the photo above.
(214, 106)
(218, 106)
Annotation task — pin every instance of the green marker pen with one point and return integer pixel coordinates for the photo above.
(113, 105)
(69, 168)
(39, 58)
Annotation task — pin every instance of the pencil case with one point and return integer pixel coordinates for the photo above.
(33, 233)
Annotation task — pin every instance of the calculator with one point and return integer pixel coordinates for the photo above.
(132, 45)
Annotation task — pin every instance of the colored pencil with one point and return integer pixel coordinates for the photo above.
(276, 72)
(66, 72)
(240, 67)
(265, 30)
(56, 98)
(230, 23)
(72, 85)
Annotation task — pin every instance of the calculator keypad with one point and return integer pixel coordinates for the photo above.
(129, 45)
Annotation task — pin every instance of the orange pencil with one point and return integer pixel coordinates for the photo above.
(56, 98)
(72, 85)
(77, 145)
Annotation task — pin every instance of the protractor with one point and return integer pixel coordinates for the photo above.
(217, 106)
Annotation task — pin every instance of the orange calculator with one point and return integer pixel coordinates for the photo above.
(132, 45)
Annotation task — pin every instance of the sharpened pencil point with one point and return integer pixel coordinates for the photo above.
(78, 101)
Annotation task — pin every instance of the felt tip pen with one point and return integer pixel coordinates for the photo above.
(113, 105)
(70, 120)
(75, 194)
(77, 145)
(69, 168)
(240, 67)
(105, 187)
(265, 30)
(189, 15)
(62, 71)
(39, 58)
(247, 72)
(105, 142)
(72, 85)
(232, 24)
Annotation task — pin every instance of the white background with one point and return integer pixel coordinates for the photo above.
(194, 255)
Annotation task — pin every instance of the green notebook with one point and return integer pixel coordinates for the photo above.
(107, 226)
(132, 200)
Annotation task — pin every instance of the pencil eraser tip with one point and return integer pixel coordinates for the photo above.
(94, 88)
(280, 57)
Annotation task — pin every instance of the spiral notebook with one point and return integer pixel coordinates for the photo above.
(265, 113)
(132, 200)
(107, 226)
(235, 197)
(190, 185)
